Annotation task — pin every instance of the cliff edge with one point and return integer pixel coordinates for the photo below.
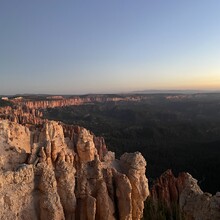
(56, 171)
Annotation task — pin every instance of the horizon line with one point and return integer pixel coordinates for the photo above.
(139, 92)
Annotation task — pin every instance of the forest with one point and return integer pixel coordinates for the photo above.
(175, 132)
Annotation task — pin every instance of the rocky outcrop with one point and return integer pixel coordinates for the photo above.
(65, 172)
(85, 146)
(123, 194)
(17, 194)
(22, 115)
(198, 205)
(42, 102)
(182, 198)
(15, 145)
(49, 200)
(134, 166)
(56, 101)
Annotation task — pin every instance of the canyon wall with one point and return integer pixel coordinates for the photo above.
(61, 102)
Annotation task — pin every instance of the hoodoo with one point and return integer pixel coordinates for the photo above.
(54, 171)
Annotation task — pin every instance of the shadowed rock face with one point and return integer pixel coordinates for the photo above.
(65, 172)
(184, 194)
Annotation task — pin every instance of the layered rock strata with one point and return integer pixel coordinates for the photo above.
(22, 115)
(56, 171)
(61, 102)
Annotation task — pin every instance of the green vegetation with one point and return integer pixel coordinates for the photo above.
(161, 212)
(181, 134)
(4, 103)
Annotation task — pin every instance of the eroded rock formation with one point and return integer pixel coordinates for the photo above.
(182, 198)
(56, 171)
(22, 115)
(59, 101)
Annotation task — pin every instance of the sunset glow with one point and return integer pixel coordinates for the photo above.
(77, 47)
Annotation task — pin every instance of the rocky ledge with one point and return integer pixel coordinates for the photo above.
(56, 171)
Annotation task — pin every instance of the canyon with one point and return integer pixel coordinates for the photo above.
(51, 170)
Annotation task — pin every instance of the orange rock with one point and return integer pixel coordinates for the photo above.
(65, 178)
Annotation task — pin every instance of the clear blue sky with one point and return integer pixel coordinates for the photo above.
(101, 46)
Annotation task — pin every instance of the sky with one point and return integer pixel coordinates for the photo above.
(108, 46)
